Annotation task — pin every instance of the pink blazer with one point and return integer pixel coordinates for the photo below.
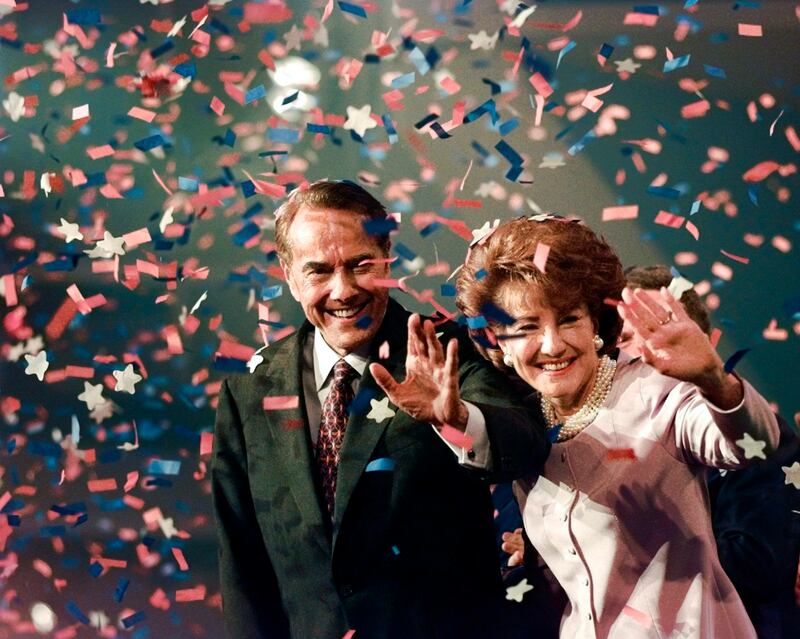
(621, 515)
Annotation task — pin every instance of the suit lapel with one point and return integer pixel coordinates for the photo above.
(363, 433)
(289, 430)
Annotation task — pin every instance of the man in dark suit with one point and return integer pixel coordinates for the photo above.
(339, 511)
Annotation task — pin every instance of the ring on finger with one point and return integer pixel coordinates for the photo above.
(666, 320)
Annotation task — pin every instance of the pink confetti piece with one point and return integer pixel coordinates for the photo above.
(772, 332)
(349, 634)
(641, 19)
(97, 152)
(743, 260)
(671, 220)
(695, 109)
(693, 230)
(161, 182)
(110, 55)
(180, 559)
(131, 480)
(101, 485)
(722, 271)
(449, 85)
(198, 593)
(620, 453)
(217, 105)
(206, 443)
(750, 30)
(781, 243)
(642, 618)
(383, 351)
(10, 289)
(541, 85)
(792, 137)
(77, 297)
(540, 256)
(281, 402)
(456, 437)
(142, 114)
(135, 238)
(79, 372)
(614, 213)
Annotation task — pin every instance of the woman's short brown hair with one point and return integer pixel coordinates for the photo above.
(581, 268)
(340, 195)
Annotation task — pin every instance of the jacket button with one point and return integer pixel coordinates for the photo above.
(347, 590)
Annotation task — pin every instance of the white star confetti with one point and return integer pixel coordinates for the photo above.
(482, 40)
(792, 474)
(126, 379)
(359, 120)
(380, 410)
(92, 395)
(37, 365)
(293, 38)
(70, 231)
(516, 593)
(751, 447)
(627, 65)
(111, 245)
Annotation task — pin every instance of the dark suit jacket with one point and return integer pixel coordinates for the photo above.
(411, 550)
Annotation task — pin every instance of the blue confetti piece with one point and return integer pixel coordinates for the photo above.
(162, 48)
(95, 569)
(677, 63)
(229, 139)
(187, 184)
(148, 143)
(664, 191)
(382, 464)
(605, 51)
(403, 251)
(752, 194)
(379, 227)
(508, 127)
(363, 322)
(497, 314)
(271, 292)
(361, 401)
(418, 59)
(355, 9)
(256, 93)
(580, 145)
(402, 81)
(480, 274)
(508, 152)
(290, 98)
(89, 17)
(487, 107)
(395, 550)
(569, 47)
(318, 128)
(690, 3)
(52, 531)
(651, 10)
(245, 234)
(289, 136)
(76, 612)
(695, 207)
(122, 587)
(734, 359)
(390, 128)
(552, 433)
(447, 290)
(715, 71)
(478, 321)
(186, 69)
(163, 467)
(248, 188)
(133, 619)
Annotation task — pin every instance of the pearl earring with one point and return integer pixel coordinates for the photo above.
(507, 360)
(597, 342)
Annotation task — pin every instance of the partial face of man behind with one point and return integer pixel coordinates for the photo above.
(331, 272)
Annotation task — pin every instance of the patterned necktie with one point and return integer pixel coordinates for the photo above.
(332, 426)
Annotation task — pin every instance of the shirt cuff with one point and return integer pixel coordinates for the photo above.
(728, 411)
(478, 454)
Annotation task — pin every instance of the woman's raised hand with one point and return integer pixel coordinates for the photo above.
(674, 345)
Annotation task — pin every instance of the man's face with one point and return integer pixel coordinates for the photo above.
(331, 274)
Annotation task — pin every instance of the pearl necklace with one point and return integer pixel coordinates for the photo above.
(574, 424)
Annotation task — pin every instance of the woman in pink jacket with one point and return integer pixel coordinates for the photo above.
(620, 511)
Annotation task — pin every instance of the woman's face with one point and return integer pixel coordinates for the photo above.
(551, 350)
